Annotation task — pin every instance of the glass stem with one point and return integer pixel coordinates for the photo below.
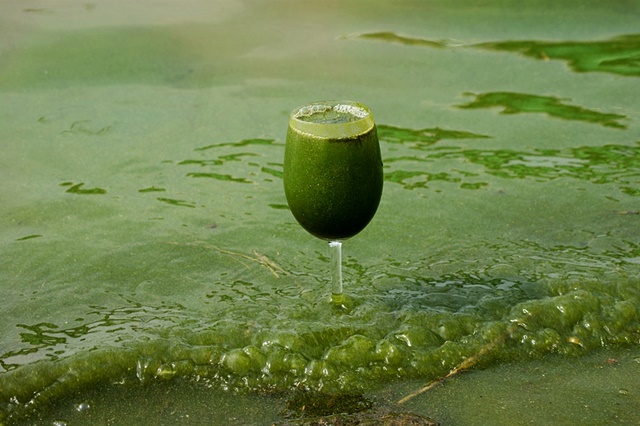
(335, 250)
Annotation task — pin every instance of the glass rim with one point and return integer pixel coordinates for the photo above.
(362, 123)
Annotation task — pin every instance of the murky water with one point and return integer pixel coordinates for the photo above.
(146, 245)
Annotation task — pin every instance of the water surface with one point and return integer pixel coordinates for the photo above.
(145, 238)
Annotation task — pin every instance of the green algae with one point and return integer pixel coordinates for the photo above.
(417, 327)
(514, 103)
(392, 37)
(241, 143)
(600, 386)
(28, 237)
(422, 138)
(513, 242)
(618, 55)
(418, 179)
(77, 188)
(570, 320)
(606, 164)
(174, 202)
(82, 127)
(219, 176)
(151, 189)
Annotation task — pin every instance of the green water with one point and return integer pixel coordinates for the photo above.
(146, 247)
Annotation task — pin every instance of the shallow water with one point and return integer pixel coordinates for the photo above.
(602, 387)
(145, 236)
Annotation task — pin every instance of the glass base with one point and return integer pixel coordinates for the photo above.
(342, 304)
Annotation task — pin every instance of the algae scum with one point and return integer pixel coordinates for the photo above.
(145, 237)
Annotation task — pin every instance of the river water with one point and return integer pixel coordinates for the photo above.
(147, 251)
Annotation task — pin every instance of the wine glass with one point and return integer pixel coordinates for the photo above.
(333, 174)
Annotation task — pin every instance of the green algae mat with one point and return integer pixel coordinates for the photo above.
(147, 250)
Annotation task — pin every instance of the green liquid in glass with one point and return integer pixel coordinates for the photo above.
(333, 169)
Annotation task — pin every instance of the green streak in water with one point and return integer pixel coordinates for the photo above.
(619, 55)
(408, 179)
(522, 102)
(392, 37)
(238, 156)
(28, 237)
(244, 142)
(210, 162)
(273, 172)
(81, 128)
(152, 189)
(602, 164)
(219, 176)
(173, 202)
(619, 164)
(78, 189)
(279, 206)
(422, 138)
